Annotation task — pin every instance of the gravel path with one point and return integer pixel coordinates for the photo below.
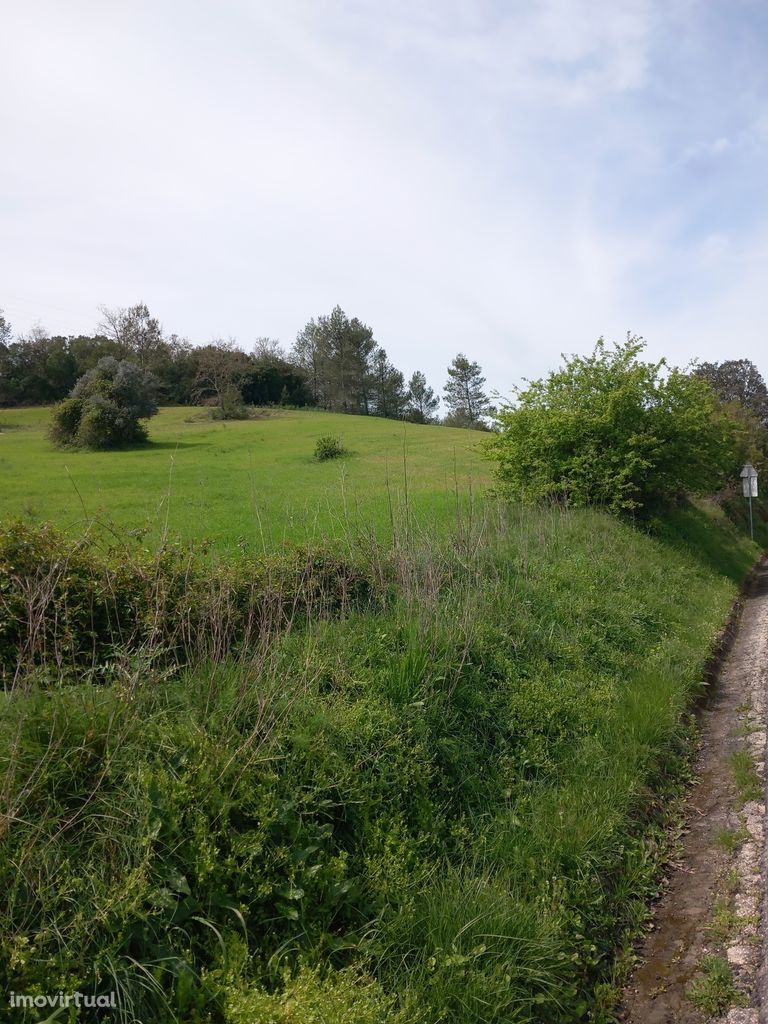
(715, 901)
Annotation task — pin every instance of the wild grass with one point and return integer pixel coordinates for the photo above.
(730, 840)
(441, 803)
(713, 991)
(748, 784)
(246, 486)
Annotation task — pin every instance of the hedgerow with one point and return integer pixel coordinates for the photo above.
(72, 605)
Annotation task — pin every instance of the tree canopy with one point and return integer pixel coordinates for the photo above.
(464, 395)
(737, 380)
(614, 430)
(335, 363)
(106, 406)
(421, 400)
(5, 329)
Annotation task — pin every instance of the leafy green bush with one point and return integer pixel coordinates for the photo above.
(340, 997)
(329, 447)
(611, 430)
(105, 407)
(65, 422)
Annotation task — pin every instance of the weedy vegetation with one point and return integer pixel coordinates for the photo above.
(748, 784)
(713, 991)
(419, 780)
(416, 773)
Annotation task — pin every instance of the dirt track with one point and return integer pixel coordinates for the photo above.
(706, 874)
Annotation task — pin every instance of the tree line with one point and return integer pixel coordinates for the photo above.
(335, 364)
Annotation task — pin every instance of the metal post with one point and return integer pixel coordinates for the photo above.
(749, 490)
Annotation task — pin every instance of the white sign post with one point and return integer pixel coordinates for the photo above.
(749, 490)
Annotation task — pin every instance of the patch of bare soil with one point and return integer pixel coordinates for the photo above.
(713, 899)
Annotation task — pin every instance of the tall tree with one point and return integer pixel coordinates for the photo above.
(737, 380)
(335, 353)
(220, 367)
(136, 332)
(5, 329)
(387, 387)
(7, 389)
(310, 352)
(421, 400)
(272, 378)
(269, 352)
(464, 395)
(36, 369)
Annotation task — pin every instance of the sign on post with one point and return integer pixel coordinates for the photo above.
(749, 490)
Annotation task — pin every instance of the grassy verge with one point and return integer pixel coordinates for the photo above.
(441, 805)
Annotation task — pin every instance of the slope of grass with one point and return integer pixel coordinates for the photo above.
(439, 807)
(250, 483)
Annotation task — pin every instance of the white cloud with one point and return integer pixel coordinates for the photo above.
(499, 178)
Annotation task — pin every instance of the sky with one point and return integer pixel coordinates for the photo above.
(507, 179)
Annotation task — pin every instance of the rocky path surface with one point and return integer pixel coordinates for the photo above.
(714, 904)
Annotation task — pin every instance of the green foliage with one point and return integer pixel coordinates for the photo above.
(713, 991)
(341, 997)
(612, 430)
(68, 606)
(6, 332)
(422, 402)
(105, 407)
(748, 783)
(329, 447)
(242, 485)
(336, 354)
(465, 398)
(738, 381)
(232, 406)
(387, 387)
(134, 330)
(454, 792)
(730, 840)
(65, 421)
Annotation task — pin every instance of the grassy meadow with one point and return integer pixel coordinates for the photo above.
(419, 778)
(242, 484)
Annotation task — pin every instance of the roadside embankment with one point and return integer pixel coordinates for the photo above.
(445, 801)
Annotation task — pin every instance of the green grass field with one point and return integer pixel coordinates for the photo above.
(422, 782)
(241, 483)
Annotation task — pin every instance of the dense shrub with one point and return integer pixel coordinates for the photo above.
(613, 430)
(329, 447)
(105, 407)
(68, 605)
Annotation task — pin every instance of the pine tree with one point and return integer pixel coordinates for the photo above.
(387, 387)
(464, 395)
(422, 400)
(335, 352)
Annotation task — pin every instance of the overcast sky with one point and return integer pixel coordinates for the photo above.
(511, 179)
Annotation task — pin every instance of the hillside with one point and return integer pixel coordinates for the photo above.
(423, 785)
(241, 483)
